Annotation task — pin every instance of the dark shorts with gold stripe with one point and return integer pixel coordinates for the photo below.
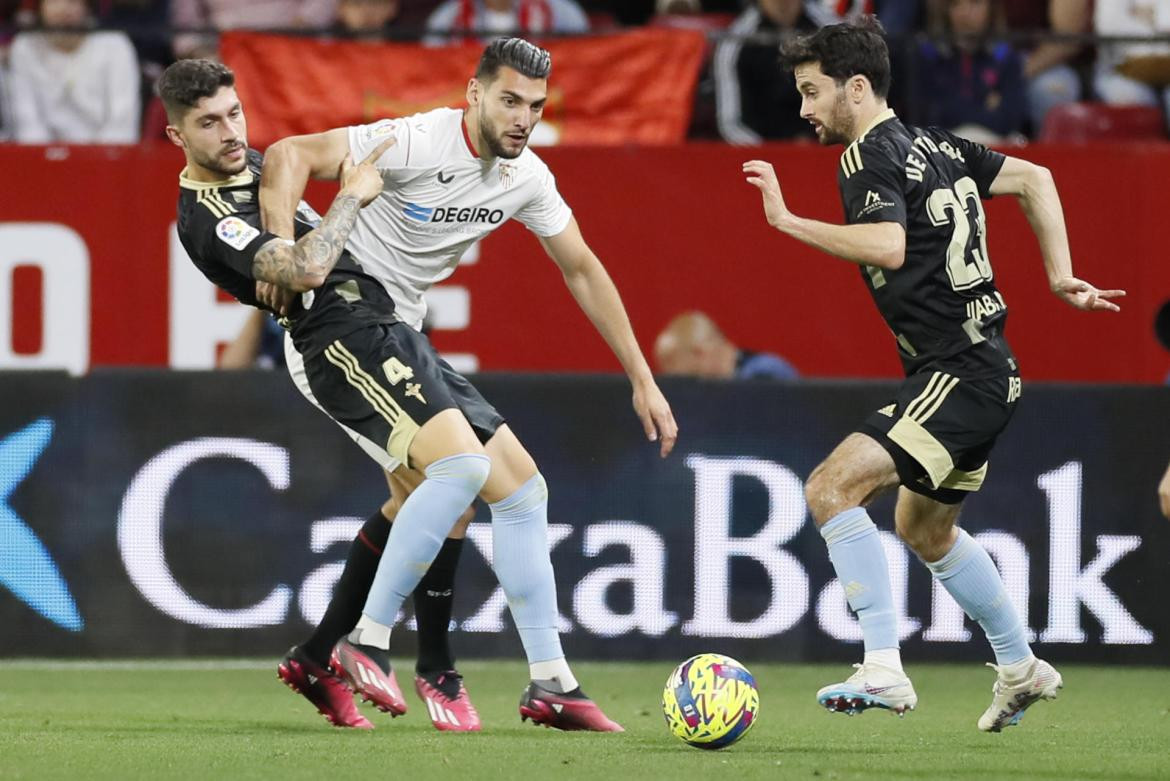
(940, 429)
(383, 382)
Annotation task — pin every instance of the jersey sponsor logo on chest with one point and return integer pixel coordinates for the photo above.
(453, 214)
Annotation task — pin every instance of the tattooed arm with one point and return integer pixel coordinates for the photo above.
(304, 265)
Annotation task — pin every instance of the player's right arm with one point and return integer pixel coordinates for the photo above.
(304, 265)
(879, 241)
(288, 164)
(1035, 188)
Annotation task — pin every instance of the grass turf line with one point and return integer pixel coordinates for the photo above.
(168, 720)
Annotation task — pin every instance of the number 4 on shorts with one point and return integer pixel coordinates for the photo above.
(397, 371)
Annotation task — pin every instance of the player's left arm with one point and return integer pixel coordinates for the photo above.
(1035, 188)
(598, 298)
(1164, 493)
(881, 244)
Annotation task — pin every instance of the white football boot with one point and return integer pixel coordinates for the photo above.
(1010, 700)
(872, 686)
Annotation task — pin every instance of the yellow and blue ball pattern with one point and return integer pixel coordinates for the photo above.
(710, 701)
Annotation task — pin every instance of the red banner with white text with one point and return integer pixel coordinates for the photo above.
(627, 88)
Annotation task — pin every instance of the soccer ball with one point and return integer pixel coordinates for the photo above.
(710, 701)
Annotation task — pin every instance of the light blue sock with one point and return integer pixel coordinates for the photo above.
(969, 575)
(860, 561)
(521, 561)
(418, 532)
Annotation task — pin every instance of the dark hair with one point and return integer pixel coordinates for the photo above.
(1162, 324)
(844, 51)
(186, 82)
(526, 58)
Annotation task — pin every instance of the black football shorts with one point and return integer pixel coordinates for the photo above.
(940, 430)
(381, 383)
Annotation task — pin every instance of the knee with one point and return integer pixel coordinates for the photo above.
(929, 543)
(391, 507)
(459, 530)
(822, 496)
(469, 470)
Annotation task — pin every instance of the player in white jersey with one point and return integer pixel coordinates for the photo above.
(452, 177)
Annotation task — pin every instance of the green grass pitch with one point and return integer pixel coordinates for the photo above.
(234, 720)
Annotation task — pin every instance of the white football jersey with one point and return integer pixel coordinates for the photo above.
(438, 199)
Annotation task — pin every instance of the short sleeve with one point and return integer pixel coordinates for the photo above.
(364, 139)
(872, 187)
(231, 240)
(546, 213)
(983, 164)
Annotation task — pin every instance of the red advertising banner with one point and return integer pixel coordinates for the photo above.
(91, 274)
(631, 87)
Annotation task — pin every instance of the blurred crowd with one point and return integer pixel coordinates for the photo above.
(994, 70)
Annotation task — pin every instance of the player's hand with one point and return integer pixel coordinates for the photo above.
(657, 419)
(1164, 494)
(1082, 295)
(275, 297)
(364, 180)
(763, 176)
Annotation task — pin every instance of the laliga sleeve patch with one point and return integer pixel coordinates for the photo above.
(235, 233)
(379, 129)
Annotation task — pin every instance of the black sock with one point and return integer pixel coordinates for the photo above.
(349, 595)
(433, 599)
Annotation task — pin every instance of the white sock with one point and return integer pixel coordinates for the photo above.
(370, 632)
(1017, 671)
(889, 658)
(553, 675)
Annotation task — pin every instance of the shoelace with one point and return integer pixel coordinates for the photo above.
(449, 684)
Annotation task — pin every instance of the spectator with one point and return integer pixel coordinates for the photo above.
(691, 344)
(1051, 67)
(367, 19)
(677, 7)
(1138, 18)
(971, 83)
(755, 99)
(898, 17)
(5, 119)
(73, 86)
(490, 17)
(146, 22)
(1162, 330)
(234, 14)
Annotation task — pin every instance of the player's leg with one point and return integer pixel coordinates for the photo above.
(837, 492)
(969, 575)
(455, 467)
(365, 676)
(435, 594)
(432, 599)
(385, 384)
(518, 497)
(437, 682)
(306, 668)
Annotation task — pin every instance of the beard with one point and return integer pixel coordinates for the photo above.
(839, 128)
(495, 142)
(220, 164)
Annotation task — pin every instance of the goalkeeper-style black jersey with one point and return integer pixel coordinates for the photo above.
(941, 305)
(219, 225)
